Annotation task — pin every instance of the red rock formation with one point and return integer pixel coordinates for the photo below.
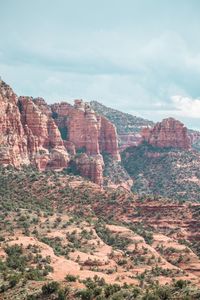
(46, 136)
(108, 138)
(86, 129)
(89, 133)
(168, 133)
(13, 142)
(45, 144)
(42, 105)
(91, 167)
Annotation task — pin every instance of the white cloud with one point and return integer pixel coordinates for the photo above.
(133, 75)
(186, 107)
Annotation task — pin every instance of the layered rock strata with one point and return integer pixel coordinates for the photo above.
(168, 133)
(32, 132)
(13, 139)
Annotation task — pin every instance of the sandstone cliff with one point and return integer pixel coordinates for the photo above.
(87, 133)
(32, 132)
(168, 133)
(45, 145)
(91, 167)
(13, 141)
(85, 129)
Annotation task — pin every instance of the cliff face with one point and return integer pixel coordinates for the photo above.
(108, 138)
(31, 132)
(85, 129)
(45, 145)
(168, 133)
(91, 167)
(13, 141)
(90, 134)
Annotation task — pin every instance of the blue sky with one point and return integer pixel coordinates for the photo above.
(142, 57)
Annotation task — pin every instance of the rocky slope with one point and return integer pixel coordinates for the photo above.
(169, 172)
(164, 163)
(125, 123)
(54, 137)
(65, 238)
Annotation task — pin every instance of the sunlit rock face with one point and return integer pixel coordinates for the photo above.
(13, 139)
(90, 134)
(168, 133)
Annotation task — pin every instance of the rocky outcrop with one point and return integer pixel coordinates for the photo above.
(91, 167)
(45, 145)
(168, 133)
(28, 134)
(13, 141)
(32, 132)
(90, 134)
(85, 129)
(108, 138)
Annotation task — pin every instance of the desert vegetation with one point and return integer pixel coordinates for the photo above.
(64, 238)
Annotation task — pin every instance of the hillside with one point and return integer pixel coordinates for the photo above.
(65, 238)
(169, 172)
(165, 162)
(124, 122)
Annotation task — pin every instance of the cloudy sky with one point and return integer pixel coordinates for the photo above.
(138, 56)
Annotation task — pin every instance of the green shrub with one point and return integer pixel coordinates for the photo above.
(50, 288)
(70, 278)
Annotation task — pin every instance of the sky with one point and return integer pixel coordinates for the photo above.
(138, 56)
